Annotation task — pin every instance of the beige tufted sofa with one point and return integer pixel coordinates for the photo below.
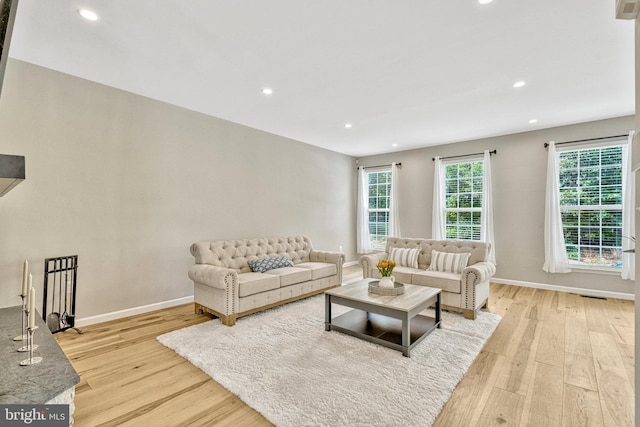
(465, 292)
(226, 287)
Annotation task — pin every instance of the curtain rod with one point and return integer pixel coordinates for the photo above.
(465, 155)
(546, 144)
(379, 166)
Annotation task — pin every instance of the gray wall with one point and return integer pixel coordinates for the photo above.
(519, 179)
(128, 183)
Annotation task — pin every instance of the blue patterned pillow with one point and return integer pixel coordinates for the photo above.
(264, 264)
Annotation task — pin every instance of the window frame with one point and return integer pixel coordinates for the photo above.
(581, 209)
(378, 241)
(473, 210)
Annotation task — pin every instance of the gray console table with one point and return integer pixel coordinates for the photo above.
(51, 381)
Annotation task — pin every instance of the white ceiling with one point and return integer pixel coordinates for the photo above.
(414, 73)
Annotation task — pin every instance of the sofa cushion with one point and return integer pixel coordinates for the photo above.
(319, 269)
(448, 282)
(291, 275)
(405, 257)
(479, 250)
(404, 274)
(253, 283)
(448, 262)
(261, 265)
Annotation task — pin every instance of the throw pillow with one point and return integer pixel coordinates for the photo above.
(265, 264)
(448, 262)
(405, 257)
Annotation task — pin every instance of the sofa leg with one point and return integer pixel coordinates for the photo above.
(469, 314)
(229, 320)
(226, 320)
(197, 308)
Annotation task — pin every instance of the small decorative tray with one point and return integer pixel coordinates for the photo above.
(374, 288)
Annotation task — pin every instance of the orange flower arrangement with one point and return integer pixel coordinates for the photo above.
(385, 267)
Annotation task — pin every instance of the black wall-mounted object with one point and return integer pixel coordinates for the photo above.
(12, 172)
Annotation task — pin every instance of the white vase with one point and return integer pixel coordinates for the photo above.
(387, 282)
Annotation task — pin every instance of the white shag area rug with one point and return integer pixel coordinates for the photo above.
(282, 363)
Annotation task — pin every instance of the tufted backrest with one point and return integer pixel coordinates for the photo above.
(237, 253)
(479, 250)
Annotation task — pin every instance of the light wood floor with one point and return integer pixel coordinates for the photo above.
(556, 359)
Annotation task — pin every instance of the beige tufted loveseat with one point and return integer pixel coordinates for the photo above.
(226, 287)
(465, 292)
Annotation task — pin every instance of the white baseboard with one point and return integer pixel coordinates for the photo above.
(568, 289)
(85, 321)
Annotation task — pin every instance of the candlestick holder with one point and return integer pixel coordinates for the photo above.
(31, 360)
(22, 337)
(25, 345)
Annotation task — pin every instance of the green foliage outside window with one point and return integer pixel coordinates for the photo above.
(379, 184)
(463, 200)
(590, 183)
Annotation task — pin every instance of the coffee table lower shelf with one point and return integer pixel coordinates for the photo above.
(382, 330)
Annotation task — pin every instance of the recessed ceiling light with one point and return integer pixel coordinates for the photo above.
(348, 125)
(519, 84)
(88, 14)
(484, 1)
(533, 121)
(267, 91)
(394, 145)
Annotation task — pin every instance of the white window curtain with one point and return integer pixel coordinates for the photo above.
(363, 243)
(628, 220)
(394, 211)
(486, 217)
(555, 252)
(437, 216)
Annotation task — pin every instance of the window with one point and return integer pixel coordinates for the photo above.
(591, 205)
(463, 195)
(379, 185)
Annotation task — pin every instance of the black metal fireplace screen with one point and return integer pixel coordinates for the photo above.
(59, 297)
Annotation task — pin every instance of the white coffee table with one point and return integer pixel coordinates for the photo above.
(391, 321)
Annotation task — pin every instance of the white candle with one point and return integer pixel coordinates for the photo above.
(25, 272)
(28, 300)
(32, 313)
(28, 294)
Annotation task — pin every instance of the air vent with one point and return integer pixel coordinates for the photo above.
(627, 9)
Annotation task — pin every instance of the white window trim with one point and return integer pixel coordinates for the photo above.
(445, 163)
(578, 266)
(595, 269)
(377, 210)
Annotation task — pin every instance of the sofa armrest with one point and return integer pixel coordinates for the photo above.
(369, 262)
(336, 258)
(326, 256)
(217, 277)
(478, 273)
